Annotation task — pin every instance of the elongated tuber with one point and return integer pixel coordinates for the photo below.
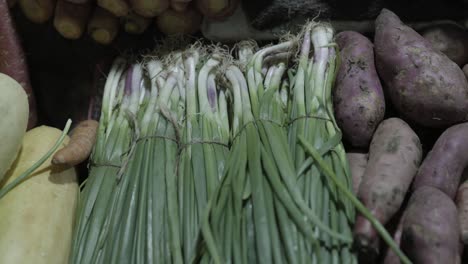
(70, 19)
(103, 26)
(358, 97)
(430, 232)
(444, 164)
(394, 157)
(81, 144)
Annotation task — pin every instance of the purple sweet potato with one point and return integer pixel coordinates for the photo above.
(462, 205)
(394, 157)
(431, 228)
(424, 85)
(451, 39)
(465, 70)
(357, 165)
(390, 256)
(358, 97)
(444, 164)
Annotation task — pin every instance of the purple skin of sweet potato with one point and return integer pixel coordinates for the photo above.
(358, 97)
(465, 70)
(444, 164)
(390, 256)
(357, 165)
(451, 39)
(394, 157)
(424, 85)
(431, 228)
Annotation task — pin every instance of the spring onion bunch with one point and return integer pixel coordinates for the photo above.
(203, 158)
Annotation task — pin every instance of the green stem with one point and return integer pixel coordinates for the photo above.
(359, 206)
(38, 163)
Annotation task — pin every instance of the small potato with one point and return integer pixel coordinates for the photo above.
(430, 228)
(394, 157)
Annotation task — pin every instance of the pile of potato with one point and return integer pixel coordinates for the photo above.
(102, 19)
(388, 92)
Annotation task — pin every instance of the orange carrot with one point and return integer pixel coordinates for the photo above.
(81, 144)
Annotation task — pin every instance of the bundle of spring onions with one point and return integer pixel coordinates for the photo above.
(206, 157)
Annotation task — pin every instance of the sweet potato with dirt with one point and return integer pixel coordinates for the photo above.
(394, 157)
(358, 97)
(357, 165)
(430, 228)
(424, 85)
(444, 164)
(449, 38)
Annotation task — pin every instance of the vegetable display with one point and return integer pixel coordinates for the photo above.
(320, 147)
(205, 157)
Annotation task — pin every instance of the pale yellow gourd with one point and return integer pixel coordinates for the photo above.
(14, 112)
(37, 216)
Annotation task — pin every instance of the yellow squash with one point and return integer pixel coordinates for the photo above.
(37, 216)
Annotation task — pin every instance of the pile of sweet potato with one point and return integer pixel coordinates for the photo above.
(390, 94)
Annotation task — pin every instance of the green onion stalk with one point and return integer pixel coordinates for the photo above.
(107, 163)
(204, 146)
(311, 118)
(258, 210)
(225, 223)
(315, 140)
